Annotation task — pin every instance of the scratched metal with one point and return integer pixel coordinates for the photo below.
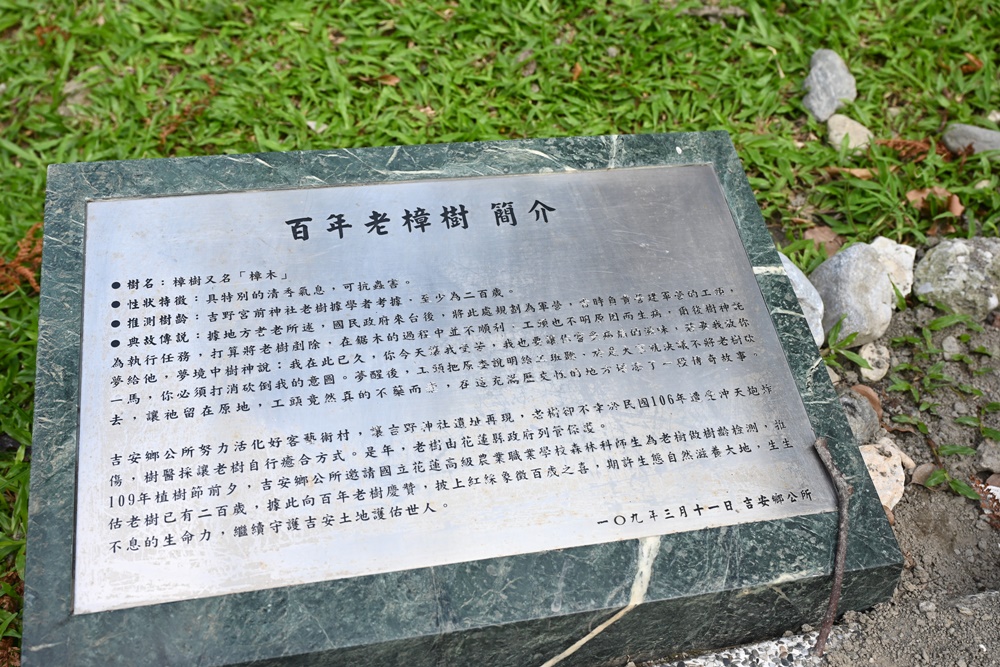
(254, 495)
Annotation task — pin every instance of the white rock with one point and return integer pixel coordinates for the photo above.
(834, 378)
(898, 261)
(889, 444)
(962, 274)
(989, 455)
(877, 357)
(839, 126)
(994, 116)
(854, 284)
(809, 299)
(885, 467)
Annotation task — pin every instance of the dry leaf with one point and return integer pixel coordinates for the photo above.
(939, 227)
(427, 111)
(974, 64)
(955, 206)
(862, 173)
(826, 237)
(919, 199)
(23, 269)
(577, 71)
(337, 38)
(389, 79)
(911, 149)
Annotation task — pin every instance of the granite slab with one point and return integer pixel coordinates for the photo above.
(602, 604)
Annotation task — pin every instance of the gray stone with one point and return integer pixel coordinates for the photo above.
(989, 455)
(922, 473)
(961, 274)
(829, 83)
(877, 357)
(958, 136)
(809, 299)
(898, 262)
(861, 417)
(853, 283)
(951, 347)
(840, 126)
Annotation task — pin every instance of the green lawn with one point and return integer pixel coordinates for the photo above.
(114, 80)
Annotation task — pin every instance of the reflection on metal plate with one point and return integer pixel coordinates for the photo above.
(294, 386)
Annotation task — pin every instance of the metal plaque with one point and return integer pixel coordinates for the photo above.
(293, 386)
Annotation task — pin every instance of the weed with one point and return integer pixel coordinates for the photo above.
(941, 475)
(920, 380)
(837, 347)
(978, 422)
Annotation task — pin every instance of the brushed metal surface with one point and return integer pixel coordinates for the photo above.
(293, 386)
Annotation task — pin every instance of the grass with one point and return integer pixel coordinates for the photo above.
(90, 80)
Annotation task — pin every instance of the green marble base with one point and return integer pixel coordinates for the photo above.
(591, 605)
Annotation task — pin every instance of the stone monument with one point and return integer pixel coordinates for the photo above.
(513, 403)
